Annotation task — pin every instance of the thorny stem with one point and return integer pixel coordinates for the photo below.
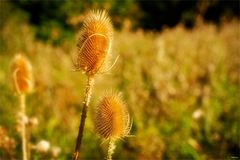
(111, 148)
(86, 101)
(23, 127)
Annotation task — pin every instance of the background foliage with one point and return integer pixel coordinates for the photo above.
(181, 85)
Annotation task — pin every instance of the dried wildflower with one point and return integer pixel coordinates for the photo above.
(55, 151)
(194, 143)
(22, 84)
(42, 146)
(21, 74)
(94, 43)
(197, 114)
(7, 144)
(33, 121)
(112, 118)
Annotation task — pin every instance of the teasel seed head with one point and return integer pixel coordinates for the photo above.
(94, 42)
(21, 72)
(112, 118)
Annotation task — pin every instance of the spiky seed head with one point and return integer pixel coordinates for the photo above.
(112, 118)
(94, 42)
(21, 71)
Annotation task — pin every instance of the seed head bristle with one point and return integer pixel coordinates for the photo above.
(112, 118)
(94, 43)
(21, 71)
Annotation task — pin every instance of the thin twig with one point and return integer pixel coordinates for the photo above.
(86, 101)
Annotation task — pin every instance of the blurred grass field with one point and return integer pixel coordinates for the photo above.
(181, 88)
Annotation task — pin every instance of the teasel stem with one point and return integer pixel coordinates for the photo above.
(86, 101)
(111, 147)
(28, 133)
(23, 127)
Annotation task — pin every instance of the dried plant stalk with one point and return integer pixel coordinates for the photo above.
(94, 45)
(23, 127)
(86, 101)
(22, 84)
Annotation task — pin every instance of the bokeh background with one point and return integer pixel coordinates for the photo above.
(178, 72)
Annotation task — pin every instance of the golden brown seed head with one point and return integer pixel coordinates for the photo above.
(94, 43)
(21, 71)
(112, 118)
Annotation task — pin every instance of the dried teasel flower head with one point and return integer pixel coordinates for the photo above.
(21, 71)
(94, 42)
(112, 118)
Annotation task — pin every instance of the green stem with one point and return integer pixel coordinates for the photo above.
(86, 101)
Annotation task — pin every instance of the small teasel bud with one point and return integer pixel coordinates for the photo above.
(112, 118)
(21, 71)
(94, 42)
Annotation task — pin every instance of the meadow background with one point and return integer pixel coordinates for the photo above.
(178, 72)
